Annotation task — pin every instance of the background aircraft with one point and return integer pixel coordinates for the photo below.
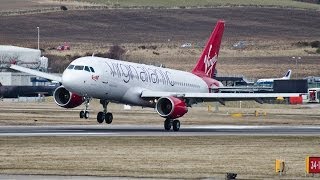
(169, 91)
(269, 81)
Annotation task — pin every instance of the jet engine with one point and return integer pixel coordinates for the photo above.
(171, 107)
(66, 99)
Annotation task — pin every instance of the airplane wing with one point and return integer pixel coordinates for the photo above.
(220, 97)
(242, 88)
(37, 73)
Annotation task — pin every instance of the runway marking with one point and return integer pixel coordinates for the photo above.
(155, 130)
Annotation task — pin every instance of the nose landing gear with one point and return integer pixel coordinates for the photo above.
(85, 112)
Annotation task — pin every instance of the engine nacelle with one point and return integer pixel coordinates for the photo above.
(171, 107)
(66, 99)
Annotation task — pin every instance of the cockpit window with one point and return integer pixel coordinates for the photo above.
(87, 68)
(92, 70)
(78, 67)
(70, 66)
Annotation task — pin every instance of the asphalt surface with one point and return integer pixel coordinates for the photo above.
(136, 130)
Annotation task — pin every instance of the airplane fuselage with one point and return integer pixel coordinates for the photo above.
(123, 82)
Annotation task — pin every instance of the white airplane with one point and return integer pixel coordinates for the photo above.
(169, 91)
(269, 81)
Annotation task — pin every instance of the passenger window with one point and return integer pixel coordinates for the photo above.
(87, 68)
(92, 70)
(70, 66)
(78, 68)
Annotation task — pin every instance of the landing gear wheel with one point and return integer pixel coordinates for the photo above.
(86, 114)
(167, 124)
(100, 117)
(176, 125)
(109, 118)
(104, 115)
(81, 114)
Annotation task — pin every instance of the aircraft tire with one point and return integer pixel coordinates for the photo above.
(109, 118)
(81, 114)
(176, 125)
(167, 124)
(100, 117)
(86, 114)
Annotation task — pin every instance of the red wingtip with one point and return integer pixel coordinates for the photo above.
(206, 64)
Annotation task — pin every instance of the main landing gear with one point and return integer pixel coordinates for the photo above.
(85, 112)
(104, 115)
(168, 123)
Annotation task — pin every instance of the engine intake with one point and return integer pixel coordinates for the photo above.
(171, 107)
(66, 99)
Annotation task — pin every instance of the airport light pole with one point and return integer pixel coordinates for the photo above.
(38, 37)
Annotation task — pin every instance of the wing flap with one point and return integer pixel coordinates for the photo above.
(36, 73)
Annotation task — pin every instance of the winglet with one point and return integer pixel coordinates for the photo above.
(206, 64)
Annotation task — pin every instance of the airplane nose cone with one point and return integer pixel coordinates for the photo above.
(69, 80)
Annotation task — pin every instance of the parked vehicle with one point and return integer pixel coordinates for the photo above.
(63, 47)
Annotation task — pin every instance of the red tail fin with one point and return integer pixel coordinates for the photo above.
(208, 60)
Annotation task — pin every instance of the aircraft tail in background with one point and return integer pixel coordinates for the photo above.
(287, 75)
(206, 64)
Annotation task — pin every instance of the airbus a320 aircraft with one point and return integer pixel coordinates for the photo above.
(169, 91)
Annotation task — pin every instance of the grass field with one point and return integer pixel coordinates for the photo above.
(157, 157)
(205, 3)
(53, 5)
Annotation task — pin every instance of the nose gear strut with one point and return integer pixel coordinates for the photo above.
(85, 113)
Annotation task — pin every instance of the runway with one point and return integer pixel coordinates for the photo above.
(152, 130)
